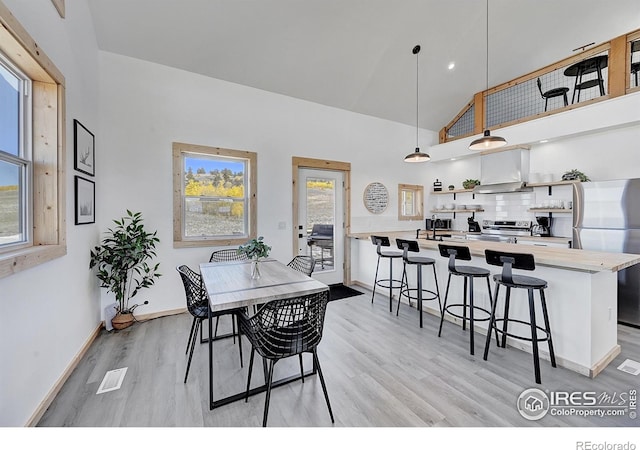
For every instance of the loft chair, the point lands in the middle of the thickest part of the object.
(198, 307)
(552, 93)
(284, 328)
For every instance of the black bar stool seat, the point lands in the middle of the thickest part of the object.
(387, 283)
(417, 293)
(522, 261)
(469, 273)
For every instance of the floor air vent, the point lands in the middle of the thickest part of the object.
(630, 366)
(112, 380)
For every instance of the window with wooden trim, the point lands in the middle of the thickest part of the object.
(32, 152)
(214, 195)
(410, 202)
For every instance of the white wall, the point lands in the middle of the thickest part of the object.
(48, 312)
(145, 107)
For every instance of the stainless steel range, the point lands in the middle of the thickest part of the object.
(502, 230)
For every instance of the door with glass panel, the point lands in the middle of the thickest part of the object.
(321, 219)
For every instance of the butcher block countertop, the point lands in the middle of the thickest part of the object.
(564, 258)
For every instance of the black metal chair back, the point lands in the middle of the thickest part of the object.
(287, 327)
(228, 254)
(509, 261)
(302, 263)
(384, 240)
(197, 303)
(454, 252)
(411, 246)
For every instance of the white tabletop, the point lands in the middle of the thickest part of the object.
(229, 284)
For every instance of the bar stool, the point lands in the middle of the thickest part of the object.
(390, 283)
(522, 261)
(454, 252)
(418, 261)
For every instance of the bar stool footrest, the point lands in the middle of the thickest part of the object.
(516, 336)
(407, 293)
(384, 283)
(475, 319)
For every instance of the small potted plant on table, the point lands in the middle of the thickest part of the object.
(122, 263)
(255, 249)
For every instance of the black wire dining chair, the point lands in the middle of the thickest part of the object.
(227, 254)
(198, 307)
(302, 263)
(284, 328)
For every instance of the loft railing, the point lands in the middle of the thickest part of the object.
(520, 100)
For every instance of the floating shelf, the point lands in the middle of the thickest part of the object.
(551, 210)
(553, 183)
(455, 191)
(456, 210)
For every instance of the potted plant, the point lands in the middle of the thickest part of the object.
(470, 183)
(574, 174)
(122, 261)
(255, 249)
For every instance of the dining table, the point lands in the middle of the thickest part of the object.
(229, 285)
(590, 65)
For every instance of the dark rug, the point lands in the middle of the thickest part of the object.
(339, 291)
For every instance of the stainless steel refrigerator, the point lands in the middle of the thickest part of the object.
(607, 218)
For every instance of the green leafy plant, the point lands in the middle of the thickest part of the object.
(255, 248)
(470, 183)
(575, 174)
(122, 260)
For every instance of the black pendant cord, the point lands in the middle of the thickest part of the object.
(487, 74)
(417, 96)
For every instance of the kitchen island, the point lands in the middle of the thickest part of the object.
(581, 294)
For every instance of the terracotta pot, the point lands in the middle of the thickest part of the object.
(122, 321)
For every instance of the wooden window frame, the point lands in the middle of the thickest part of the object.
(48, 188)
(179, 150)
(418, 192)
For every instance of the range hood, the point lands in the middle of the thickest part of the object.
(504, 171)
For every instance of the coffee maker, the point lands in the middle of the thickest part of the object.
(543, 227)
(474, 227)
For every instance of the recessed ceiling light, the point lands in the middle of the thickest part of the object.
(544, 141)
(453, 159)
(451, 65)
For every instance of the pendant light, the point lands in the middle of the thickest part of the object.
(488, 142)
(417, 155)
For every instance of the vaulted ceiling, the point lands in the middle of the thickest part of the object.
(357, 54)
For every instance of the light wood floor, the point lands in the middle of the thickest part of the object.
(381, 371)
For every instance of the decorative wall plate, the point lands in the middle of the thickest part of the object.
(376, 197)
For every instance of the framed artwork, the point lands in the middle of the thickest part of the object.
(84, 149)
(85, 201)
(376, 197)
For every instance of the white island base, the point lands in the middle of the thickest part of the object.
(582, 303)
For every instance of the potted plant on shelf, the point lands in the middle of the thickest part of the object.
(470, 183)
(575, 174)
(122, 261)
(255, 249)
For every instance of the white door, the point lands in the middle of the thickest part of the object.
(321, 203)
